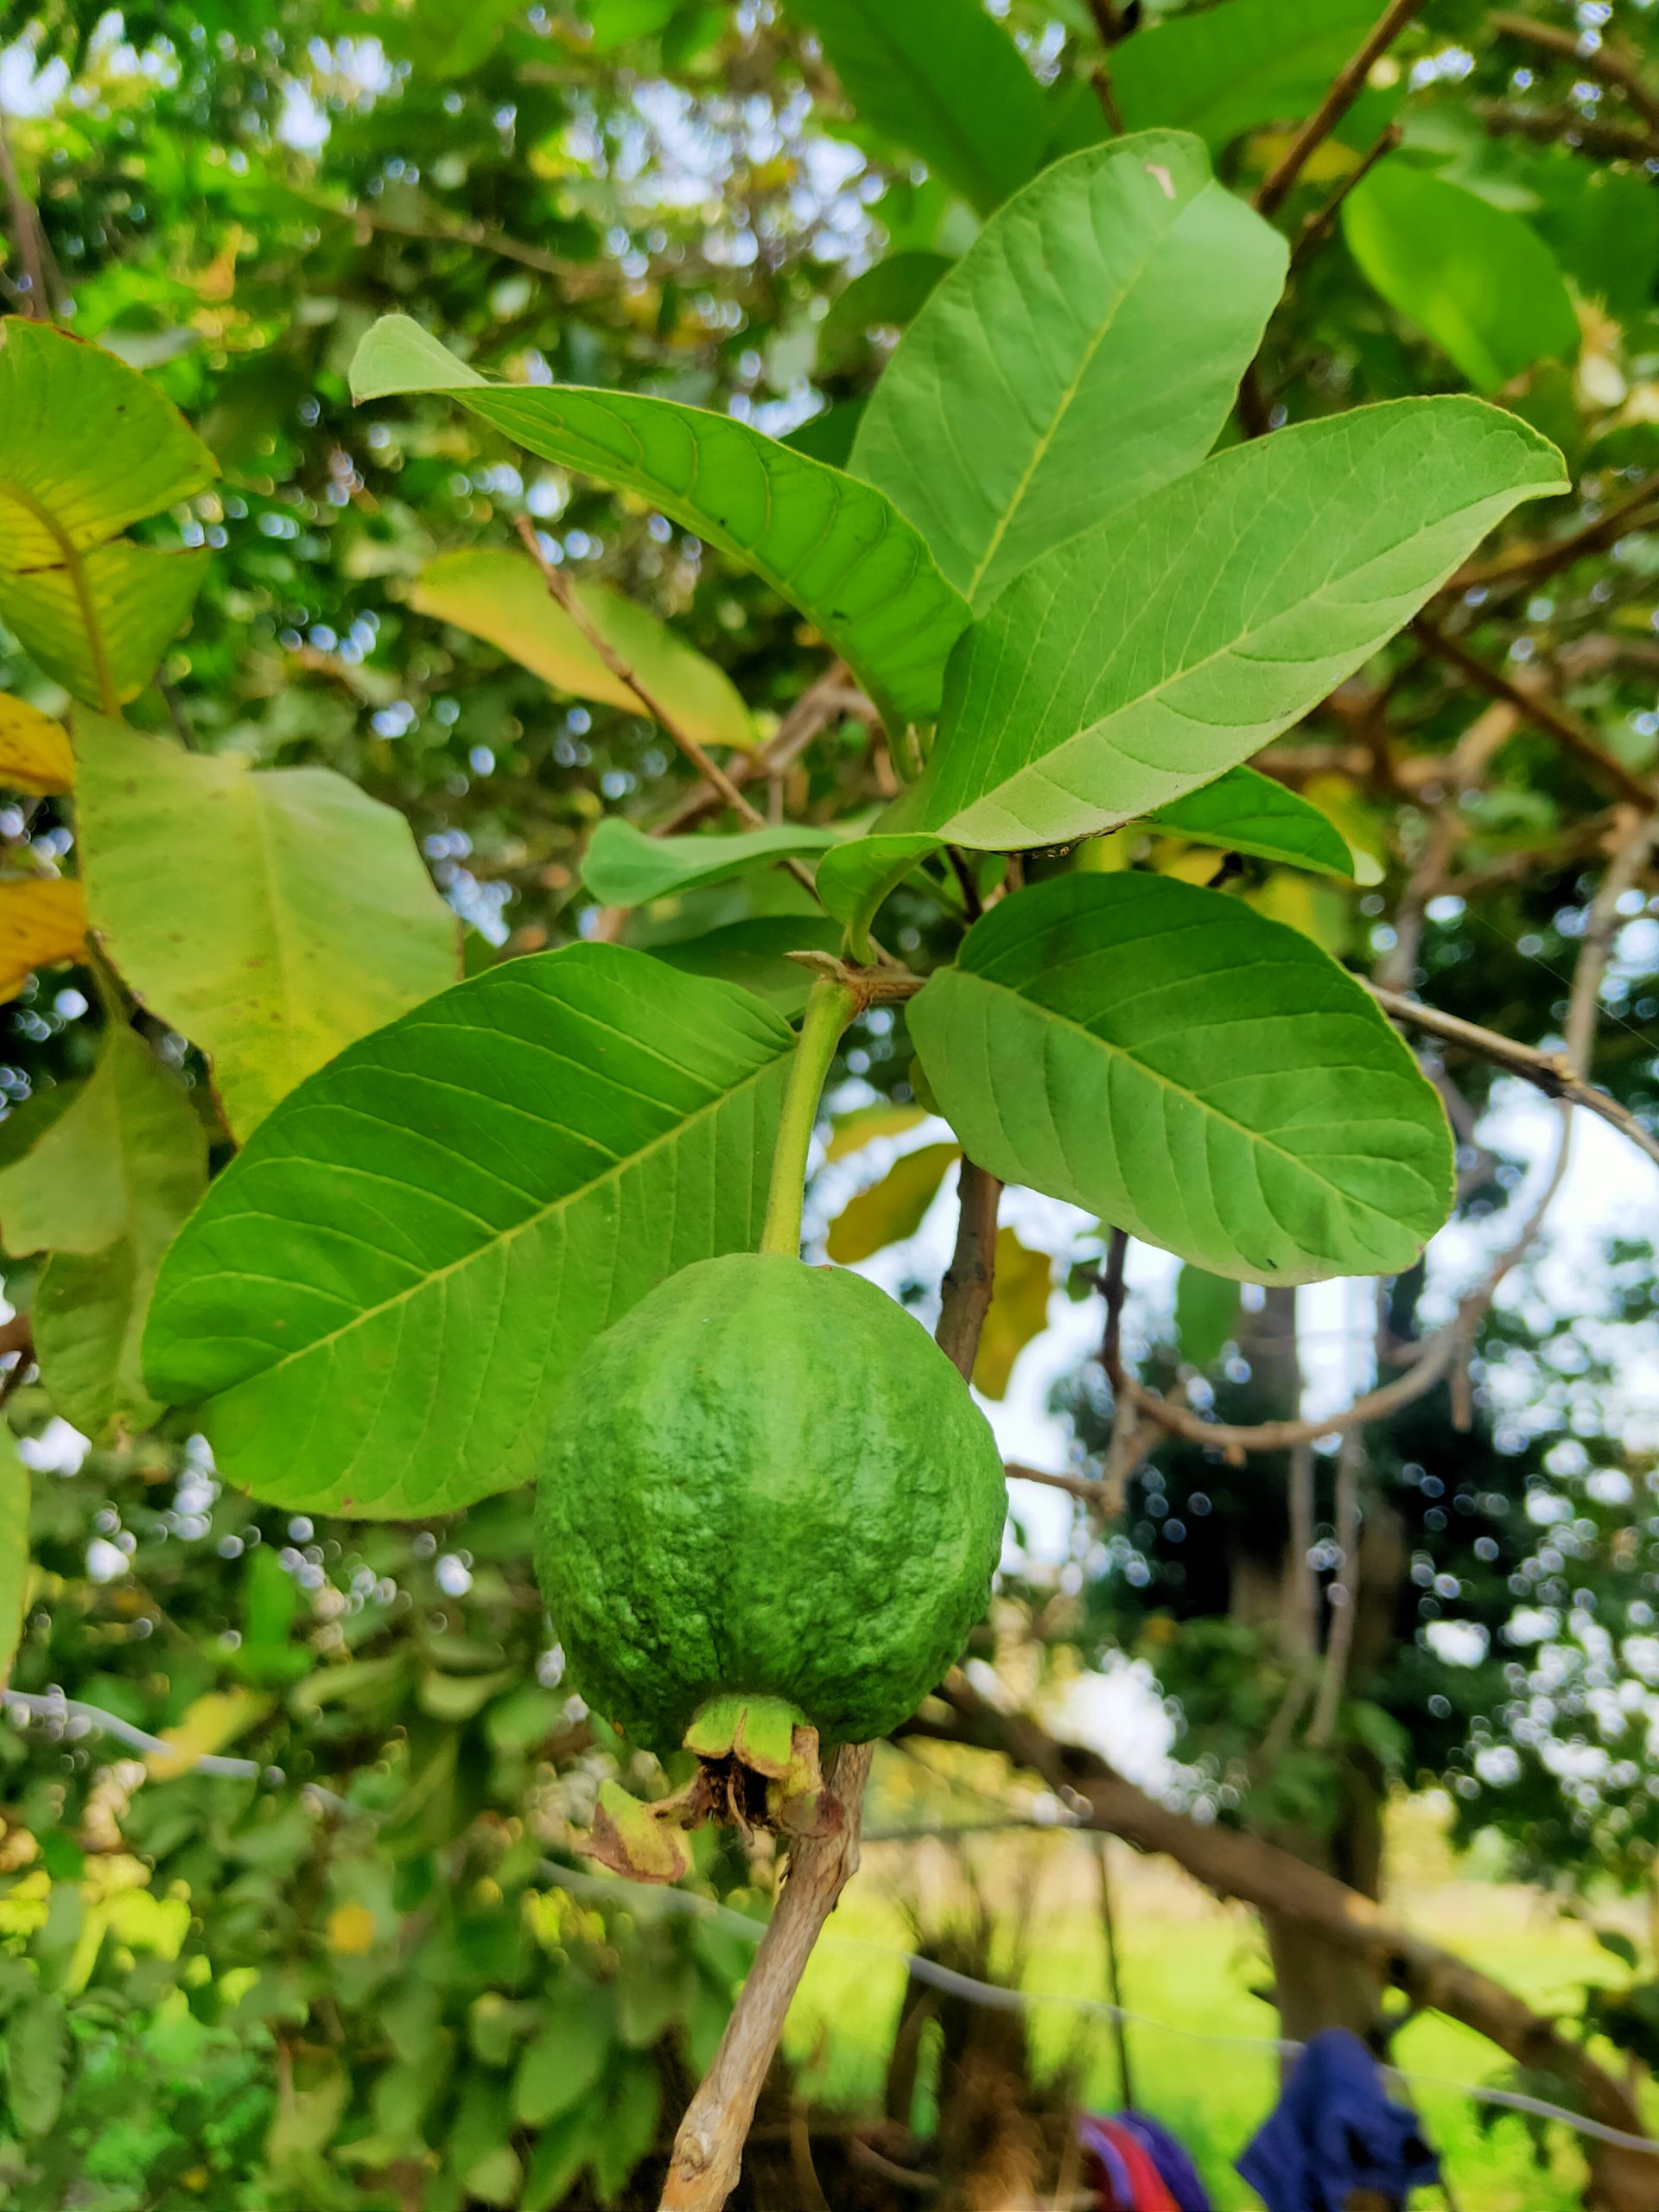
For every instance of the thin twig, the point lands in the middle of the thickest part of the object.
(1345, 88)
(1113, 1289)
(1590, 57)
(49, 1705)
(708, 2147)
(825, 699)
(1551, 1072)
(1316, 227)
(1527, 563)
(1434, 1361)
(971, 1279)
(1345, 1595)
(1566, 126)
(26, 228)
(1439, 1354)
(560, 589)
(1541, 711)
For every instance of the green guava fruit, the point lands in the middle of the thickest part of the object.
(765, 1481)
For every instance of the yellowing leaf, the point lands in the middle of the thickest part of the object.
(498, 595)
(272, 916)
(34, 753)
(41, 922)
(216, 1719)
(87, 447)
(349, 1930)
(865, 1123)
(1018, 1311)
(892, 1209)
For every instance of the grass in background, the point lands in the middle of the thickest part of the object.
(1188, 1963)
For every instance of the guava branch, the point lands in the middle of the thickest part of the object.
(1538, 708)
(560, 589)
(709, 2148)
(1552, 1072)
(1233, 1865)
(1345, 88)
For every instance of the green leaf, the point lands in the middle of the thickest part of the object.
(37, 2058)
(1245, 812)
(561, 2151)
(271, 916)
(376, 1298)
(126, 1156)
(1139, 661)
(86, 447)
(565, 2057)
(893, 1209)
(1204, 1077)
(1018, 1311)
(1085, 350)
(944, 80)
(754, 955)
(624, 867)
(1224, 70)
(498, 595)
(854, 880)
(103, 1188)
(633, 2104)
(14, 1549)
(886, 296)
(833, 547)
(1478, 279)
(1206, 1315)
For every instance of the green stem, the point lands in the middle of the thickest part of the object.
(829, 1007)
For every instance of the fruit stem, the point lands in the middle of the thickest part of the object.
(830, 1006)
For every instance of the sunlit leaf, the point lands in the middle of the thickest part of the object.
(1204, 1077)
(271, 916)
(852, 1132)
(43, 923)
(34, 754)
(470, 1193)
(1085, 350)
(213, 1721)
(832, 546)
(1140, 660)
(1017, 1311)
(893, 1209)
(86, 447)
(498, 595)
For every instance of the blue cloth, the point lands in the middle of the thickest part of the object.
(1175, 2169)
(1334, 2131)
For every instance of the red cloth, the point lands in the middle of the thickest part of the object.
(1147, 2190)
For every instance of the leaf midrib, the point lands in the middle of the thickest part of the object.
(367, 1313)
(1067, 399)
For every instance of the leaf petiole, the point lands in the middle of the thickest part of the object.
(830, 1006)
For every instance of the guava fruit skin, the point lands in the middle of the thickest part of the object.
(767, 1477)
